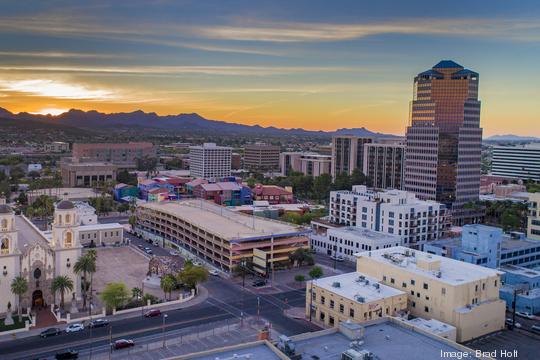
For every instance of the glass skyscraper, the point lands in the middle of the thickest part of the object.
(444, 138)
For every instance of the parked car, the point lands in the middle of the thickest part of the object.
(259, 282)
(122, 344)
(50, 332)
(197, 263)
(337, 258)
(75, 328)
(98, 323)
(174, 253)
(535, 328)
(152, 313)
(140, 246)
(213, 272)
(149, 251)
(510, 322)
(525, 314)
(67, 354)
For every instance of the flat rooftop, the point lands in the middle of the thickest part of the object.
(257, 350)
(432, 326)
(353, 285)
(225, 223)
(386, 340)
(518, 270)
(95, 227)
(452, 272)
(367, 233)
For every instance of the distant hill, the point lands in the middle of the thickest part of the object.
(185, 123)
(27, 128)
(510, 137)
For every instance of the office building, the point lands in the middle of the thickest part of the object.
(348, 240)
(393, 212)
(348, 153)
(533, 224)
(236, 161)
(273, 194)
(518, 162)
(262, 157)
(352, 296)
(384, 164)
(525, 283)
(444, 139)
(56, 147)
(458, 293)
(488, 246)
(218, 236)
(124, 155)
(289, 162)
(209, 161)
(87, 173)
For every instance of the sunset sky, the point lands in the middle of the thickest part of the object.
(310, 64)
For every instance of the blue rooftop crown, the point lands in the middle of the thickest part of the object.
(447, 64)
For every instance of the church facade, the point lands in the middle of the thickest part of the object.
(39, 258)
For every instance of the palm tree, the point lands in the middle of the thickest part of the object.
(61, 283)
(92, 254)
(19, 286)
(168, 284)
(85, 264)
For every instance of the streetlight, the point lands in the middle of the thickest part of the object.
(163, 328)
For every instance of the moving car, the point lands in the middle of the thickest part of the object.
(122, 344)
(152, 313)
(525, 314)
(259, 283)
(213, 272)
(510, 322)
(75, 328)
(50, 332)
(535, 328)
(148, 251)
(67, 354)
(98, 323)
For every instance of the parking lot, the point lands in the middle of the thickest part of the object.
(526, 343)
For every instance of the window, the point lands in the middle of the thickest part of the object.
(331, 304)
(392, 281)
(341, 308)
(351, 312)
(322, 316)
(413, 282)
(426, 309)
(425, 286)
(443, 291)
(322, 300)
(413, 304)
(331, 320)
(384, 279)
(404, 284)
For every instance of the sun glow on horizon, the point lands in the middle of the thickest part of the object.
(50, 111)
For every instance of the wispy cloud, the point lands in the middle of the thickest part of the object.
(54, 89)
(181, 69)
(61, 55)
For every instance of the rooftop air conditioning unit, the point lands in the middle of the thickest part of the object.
(360, 299)
(336, 284)
(376, 285)
(439, 274)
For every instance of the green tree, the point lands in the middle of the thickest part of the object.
(192, 276)
(510, 220)
(61, 284)
(126, 178)
(115, 295)
(83, 266)
(321, 187)
(358, 177)
(122, 208)
(299, 278)
(301, 256)
(19, 286)
(168, 284)
(136, 293)
(316, 272)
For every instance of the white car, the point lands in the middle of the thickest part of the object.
(525, 315)
(75, 328)
(197, 263)
(337, 258)
(510, 322)
(213, 272)
(174, 253)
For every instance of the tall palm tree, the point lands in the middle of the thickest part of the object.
(19, 286)
(168, 284)
(92, 254)
(61, 283)
(83, 266)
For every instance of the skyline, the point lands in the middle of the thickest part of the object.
(305, 64)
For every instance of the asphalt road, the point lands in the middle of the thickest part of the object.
(345, 266)
(227, 301)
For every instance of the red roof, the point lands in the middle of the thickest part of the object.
(271, 190)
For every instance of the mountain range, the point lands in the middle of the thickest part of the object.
(186, 123)
(510, 138)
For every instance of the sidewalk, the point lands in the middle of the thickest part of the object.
(200, 298)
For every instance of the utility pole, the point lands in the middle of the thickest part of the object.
(272, 257)
(163, 329)
(258, 307)
(110, 341)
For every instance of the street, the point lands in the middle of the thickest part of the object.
(227, 301)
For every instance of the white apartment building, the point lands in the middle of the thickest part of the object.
(310, 164)
(210, 161)
(393, 212)
(533, 224)
(461, 294)
(349, 240)
(522, 162)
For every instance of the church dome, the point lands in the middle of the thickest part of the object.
(65, 205)
(5, 209)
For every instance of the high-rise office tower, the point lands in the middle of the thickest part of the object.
(444, 139)
(348, 154)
